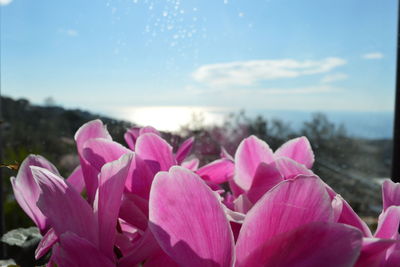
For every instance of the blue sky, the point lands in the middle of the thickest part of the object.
(277, 54)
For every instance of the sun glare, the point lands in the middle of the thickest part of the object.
(172, 118)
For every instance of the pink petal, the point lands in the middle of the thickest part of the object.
(225, 155)
(195, 236)
(64, 206)
(48, 240)
(313, 244)
(242, 204)
(78, 252)
(390, 194)
(140, 178)
(130, 137)
(76, 179)
(99, 151)
(191, 164)
(90, 130)
(250, 153)
(285, 207)
(298, 149)
(265, 178)
(133, 215)
(184, 150)
(289, 168)
(218, 171)
(111, 186)
(157, 151)
(389, 223)
(373, 252)
(26, 190)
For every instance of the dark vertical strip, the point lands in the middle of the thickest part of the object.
(2, 247)
(396, 135)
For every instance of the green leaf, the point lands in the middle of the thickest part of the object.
(18, 237)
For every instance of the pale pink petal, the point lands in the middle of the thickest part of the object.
(250, 153)
(111, 186)
(26, 190)
(188, 221)
(155, 150)
(191, 164)
(242, 204)
(373, 252)
(76, 179)
(236, 190)
(285, 207)
(337, 206)
(289, 168)
(99, 151)
(130, 137)
(48, 240)
(266, 177)
(64, 207)
(390, 194)
(184, 150)
(298, 149)
(149, 129)
(218, 171)
(389, 223)
(90, 130)
(78, 252)
(313, 244)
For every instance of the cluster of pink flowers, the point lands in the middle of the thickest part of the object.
(147, 206)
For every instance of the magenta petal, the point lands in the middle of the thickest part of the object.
(348, 216)
(78, 252)
(390, 194)
(289, 168)
(191, 164)
(90, 130)
(218, 171)
(76, 179)
(184, 150)
(188, 220)
(298, 149)
(287, 206)
(389, 223)
(151, 147)
(99, 151)
(146, 248)
(133, 215)
(111, 186)
(266, 177)
(250, 153)
(373, 252)
(64, 206)
(313, 244)
(160, 259)
(48, 240)
(26, 190)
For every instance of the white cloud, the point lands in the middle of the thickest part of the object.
(374, 55)
(334, 77)
(5, 2)
(247, 73)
